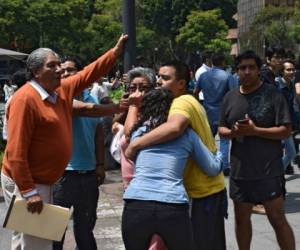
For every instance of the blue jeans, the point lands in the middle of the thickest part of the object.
(142, 219)
(290, 151)
(224, 146)
(80, 191)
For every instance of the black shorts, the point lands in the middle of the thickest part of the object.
(257, 191)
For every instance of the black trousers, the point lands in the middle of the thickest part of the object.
(208, 221)
(142, 219)
(80, 191)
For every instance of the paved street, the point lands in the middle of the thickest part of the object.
(108, 232)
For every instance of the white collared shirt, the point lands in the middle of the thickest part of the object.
(43, 93)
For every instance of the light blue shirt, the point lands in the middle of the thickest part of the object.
(214, 84)
(84, 130)
(158, 171)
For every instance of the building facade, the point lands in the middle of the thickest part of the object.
(247, 10)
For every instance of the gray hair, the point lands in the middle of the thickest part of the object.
(36, 60)
(146, 73)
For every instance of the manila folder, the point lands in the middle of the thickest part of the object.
(50, 224)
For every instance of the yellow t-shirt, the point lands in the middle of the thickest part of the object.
(196, 182)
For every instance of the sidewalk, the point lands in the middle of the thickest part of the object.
(108, 232)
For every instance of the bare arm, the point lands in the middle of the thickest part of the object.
(297, 88)
(131, 119)
(135, 100)
(169, 130)
(95, 110)
(250, 129)
(197, 89)
(274, 133)
(99, 154)
(226, 132)
(196, 92)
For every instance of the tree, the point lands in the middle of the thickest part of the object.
(101, 34)
(37, 23)
(295, 30)
(272, 25)
(86, 28)
(204, 30)
(228, 9)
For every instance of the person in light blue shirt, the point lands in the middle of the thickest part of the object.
(84, 132)
(155, 200)
(214, 84)
(78, 187)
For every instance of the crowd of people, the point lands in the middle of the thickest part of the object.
(173, 173)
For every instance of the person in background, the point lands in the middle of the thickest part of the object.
(273, 66)
(78, 187)
(100, 90)
(9, 89)
(285, 84)
(192, 83)
(206, 66)
(18, 79)
(214, 84)
(268, 72)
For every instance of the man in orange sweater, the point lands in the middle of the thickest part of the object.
(40, 131)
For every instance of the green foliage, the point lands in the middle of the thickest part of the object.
(228, 8)
(295, 32)
(204, 30)
(87, 28)
(101, 34)
(166, 18)
(218, 45)
(272, 23)
(116, 94)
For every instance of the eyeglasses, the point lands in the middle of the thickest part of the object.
(141, 88)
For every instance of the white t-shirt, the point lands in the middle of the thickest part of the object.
(100, 91)
(201, 70)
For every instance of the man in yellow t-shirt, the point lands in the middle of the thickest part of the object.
(208, 198)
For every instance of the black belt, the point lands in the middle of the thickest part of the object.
(79, 171)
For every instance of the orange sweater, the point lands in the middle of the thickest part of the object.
(40, 132)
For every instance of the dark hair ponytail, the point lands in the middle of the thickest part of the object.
(154, 109)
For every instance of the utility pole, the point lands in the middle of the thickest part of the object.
(129, 28)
